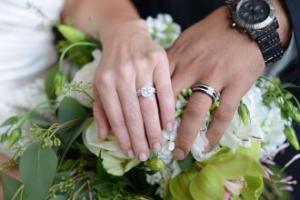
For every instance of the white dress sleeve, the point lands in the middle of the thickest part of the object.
(26, 38)
(26, 51)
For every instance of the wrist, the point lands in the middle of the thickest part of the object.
(285, 30)
(123, 27)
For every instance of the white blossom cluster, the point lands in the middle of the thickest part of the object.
(163, 30)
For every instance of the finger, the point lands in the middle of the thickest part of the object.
(222, 117)
(133, 118)
(149, 108)
(112, 107)
(165, 95)
(192, 121)
(181, 80)
(150, 116)
(99, 114)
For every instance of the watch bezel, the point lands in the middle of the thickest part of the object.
(257, 26)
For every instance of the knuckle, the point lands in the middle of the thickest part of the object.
(157, 56)
(124, 71)
(193, 112)
(118, 124)
(104, 78)
(225, 112)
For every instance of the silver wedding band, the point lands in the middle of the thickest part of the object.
(208, 90)
(146, 91)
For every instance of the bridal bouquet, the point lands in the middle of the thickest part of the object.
(60, 156)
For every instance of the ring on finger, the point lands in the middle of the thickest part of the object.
(208, 90)
(146, 91)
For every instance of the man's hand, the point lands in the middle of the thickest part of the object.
(213, 53)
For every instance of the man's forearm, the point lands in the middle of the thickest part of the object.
(93, 16)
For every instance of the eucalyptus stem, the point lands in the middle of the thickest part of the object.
(20, 190)
(78, 191)
(67, 49)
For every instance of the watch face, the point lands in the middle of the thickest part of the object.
(253, 11)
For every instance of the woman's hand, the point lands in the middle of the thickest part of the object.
(213, 53)
(130, 61)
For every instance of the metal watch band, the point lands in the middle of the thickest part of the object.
(269, 43)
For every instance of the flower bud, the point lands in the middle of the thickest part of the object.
(59, 81)
(244, 114)
(155, 164)
(291, 136)
(71, 34)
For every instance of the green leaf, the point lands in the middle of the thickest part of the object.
(187, 163)
(70, 135)
(49, 83)
(13, 137)
(60, 197)
(10, 186)
(10, 121)
(244, 113)
(179, 186)
(70, 109)
(37, 171)
(39, 120)
(292, 137)
(207, 185)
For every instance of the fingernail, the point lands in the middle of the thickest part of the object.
(157, 146)
(179, 154)
(170, 126)
(143, 157)
(130, 154)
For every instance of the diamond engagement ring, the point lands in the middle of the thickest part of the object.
(208, 90)
(146, 91)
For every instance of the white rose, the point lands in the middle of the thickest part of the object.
(114, 160)
(86, 76)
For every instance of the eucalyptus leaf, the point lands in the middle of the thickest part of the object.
(70, 109)
(10, 186)
(13, 137)
(37, 170)
(39, 119)
(10, 121)
(70, 135)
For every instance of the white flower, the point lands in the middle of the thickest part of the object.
(85, 76)
(266, 123)
(163, 177)
(163, 30)
(114, 160)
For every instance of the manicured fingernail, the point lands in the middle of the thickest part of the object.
(179, 154)
(130, 154)
(157, 146)
(143, 157)
(170, 126)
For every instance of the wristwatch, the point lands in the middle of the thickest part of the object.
(258, 19)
